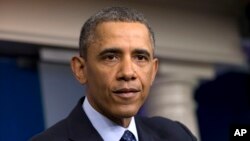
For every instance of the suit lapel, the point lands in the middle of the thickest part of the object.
(144, 132)
(80, 127)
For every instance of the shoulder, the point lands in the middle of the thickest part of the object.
(54, 133)
(166, 128)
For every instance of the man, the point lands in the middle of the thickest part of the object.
(118, 66)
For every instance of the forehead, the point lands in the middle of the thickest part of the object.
(123, 33)
(118, 28)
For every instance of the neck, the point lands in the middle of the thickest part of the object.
(124, 122)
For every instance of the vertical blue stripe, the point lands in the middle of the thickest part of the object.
(20, 101)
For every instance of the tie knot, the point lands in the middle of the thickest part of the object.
(128, 136)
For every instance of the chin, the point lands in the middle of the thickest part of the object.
(128, 112)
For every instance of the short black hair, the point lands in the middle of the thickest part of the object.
(116, 14)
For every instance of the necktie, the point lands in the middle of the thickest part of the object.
(128, 136)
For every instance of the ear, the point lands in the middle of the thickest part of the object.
(155, 69)
(78, 66)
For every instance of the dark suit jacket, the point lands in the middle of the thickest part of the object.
(77, 127)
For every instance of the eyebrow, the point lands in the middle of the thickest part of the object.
(119, 51)
(110, 50)
(141, 51)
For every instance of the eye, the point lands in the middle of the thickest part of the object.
(141, 57)
(110, 57)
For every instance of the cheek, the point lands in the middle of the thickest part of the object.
(99, 78)
(146, 76)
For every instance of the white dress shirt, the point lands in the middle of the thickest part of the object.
(108, 130)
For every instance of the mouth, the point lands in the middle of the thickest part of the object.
(126, 92)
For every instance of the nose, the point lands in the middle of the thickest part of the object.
(126, 70)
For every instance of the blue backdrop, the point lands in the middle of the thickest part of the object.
(20, 100)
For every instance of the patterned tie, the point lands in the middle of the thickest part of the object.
(128, 136)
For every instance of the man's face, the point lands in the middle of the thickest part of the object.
(119, 68)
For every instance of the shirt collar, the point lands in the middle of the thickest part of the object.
(108, 130)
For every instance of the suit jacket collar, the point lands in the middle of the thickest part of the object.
(80, 127)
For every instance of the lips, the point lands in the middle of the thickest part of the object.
(126, 92)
